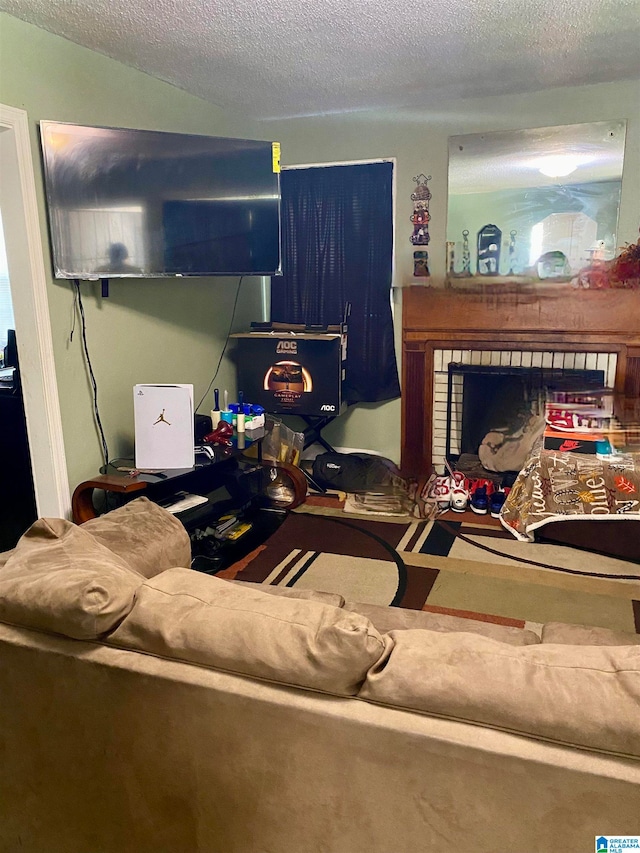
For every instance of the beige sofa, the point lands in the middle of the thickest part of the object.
(147, 707)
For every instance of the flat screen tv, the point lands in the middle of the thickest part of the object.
(127, 203)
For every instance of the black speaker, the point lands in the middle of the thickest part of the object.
(11, 350)
(202, 427)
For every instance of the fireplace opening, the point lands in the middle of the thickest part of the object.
(495, 414)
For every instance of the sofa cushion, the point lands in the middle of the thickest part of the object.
(59, 578)
(388, 619)
(585, 696)
(332, 598)
(144, 534)
(201, 619)
(582, 635)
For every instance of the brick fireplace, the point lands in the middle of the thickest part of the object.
(555, 328)
(504, 382)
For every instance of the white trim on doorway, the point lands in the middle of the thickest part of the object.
(28, 282)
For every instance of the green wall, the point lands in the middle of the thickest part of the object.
(164, 330)
(418, 140)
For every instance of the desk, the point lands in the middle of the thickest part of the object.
(203, 478)
(233, 484)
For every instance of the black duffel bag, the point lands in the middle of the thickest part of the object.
(357, 472)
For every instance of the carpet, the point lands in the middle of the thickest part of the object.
(460, 564)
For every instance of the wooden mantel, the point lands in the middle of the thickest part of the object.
(502, 318)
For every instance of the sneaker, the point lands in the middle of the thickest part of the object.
(496, 502)
(459, 486)
(480, 492)
(440, 491)
(480, 500)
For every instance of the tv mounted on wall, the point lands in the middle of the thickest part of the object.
(127, 203)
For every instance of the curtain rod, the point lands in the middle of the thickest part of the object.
(345, 163)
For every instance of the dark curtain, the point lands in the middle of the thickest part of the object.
(337, 242)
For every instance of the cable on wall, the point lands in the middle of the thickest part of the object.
(94, 384)
(224, 348)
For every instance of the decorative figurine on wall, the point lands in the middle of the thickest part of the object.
(553, 264)
(421, 265)
(451, 257)
(420, 216)
(512, 252)
(466, 253)
(489, 239)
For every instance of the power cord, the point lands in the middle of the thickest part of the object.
(224, 348)
(94, 385)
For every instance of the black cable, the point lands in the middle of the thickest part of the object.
(451, 530)
(94, 385)
(224, 348)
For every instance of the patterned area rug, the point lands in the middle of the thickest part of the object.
(461, 564)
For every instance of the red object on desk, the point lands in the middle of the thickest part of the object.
(221, 434)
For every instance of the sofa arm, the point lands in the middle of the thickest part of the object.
(82, 501)
(144, 534)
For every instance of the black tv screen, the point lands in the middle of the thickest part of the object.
(144, 203)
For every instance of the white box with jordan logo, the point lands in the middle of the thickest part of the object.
(164, 426)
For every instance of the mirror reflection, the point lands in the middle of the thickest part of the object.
(533, 205)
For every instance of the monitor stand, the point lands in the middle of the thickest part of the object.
(313, 430)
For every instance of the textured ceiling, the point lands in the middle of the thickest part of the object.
(281, 58)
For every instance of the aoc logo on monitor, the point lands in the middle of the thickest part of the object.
(287, 347)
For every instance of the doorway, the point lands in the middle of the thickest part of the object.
(17, 499)
(28, 285)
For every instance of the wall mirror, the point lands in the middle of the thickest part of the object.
(533, 205)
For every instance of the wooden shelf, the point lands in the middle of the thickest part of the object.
(558, 311)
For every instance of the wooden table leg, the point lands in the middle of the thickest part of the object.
(82, 501)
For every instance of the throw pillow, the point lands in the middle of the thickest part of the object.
(144, 534)
(332, 598)
(585, 696)
(582, 635)
(59, 578)
(201, 619)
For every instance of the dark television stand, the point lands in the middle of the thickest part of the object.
(234, 485)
